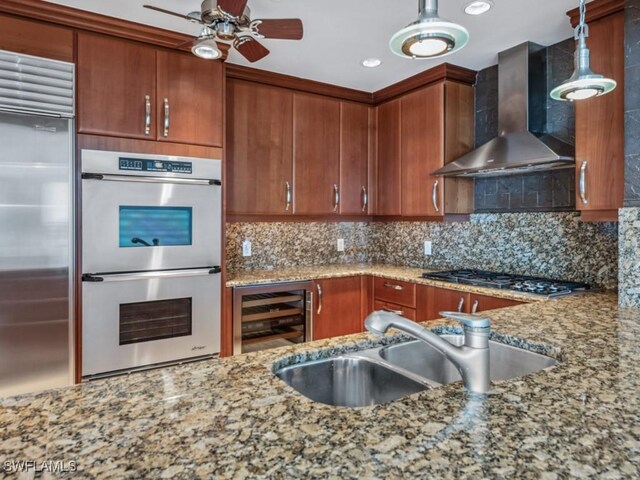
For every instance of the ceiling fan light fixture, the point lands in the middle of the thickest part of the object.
(207, 48)
(583, 84)
(430, 36)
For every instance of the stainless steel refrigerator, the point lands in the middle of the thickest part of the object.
(36, 223)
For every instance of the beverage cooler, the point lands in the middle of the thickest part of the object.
(271, 316)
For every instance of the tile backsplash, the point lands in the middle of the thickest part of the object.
(556, 245)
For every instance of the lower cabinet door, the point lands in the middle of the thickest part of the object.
(337, 307)
(433, 300)
(405, 312)
(480, 303)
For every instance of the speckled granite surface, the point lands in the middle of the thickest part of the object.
(553, 245)
(233, 418)
(629, 257)
(392, 272)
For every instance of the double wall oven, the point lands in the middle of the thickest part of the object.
(151, 256)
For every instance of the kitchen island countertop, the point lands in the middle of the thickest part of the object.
(232, 418)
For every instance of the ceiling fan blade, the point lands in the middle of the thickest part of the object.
(235, 8)
(250, 49)
(281, 28)
(169, 12)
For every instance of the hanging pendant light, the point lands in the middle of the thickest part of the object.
(583, 83)
(430, 36)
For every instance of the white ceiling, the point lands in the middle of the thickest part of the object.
(338, 34)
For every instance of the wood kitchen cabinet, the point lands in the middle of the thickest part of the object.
(354, 158)
(337, 303)
(388, 193)
(433, 300)
(480, 303)
(316, 137)
(116, 87)
(189, 100)
(437, 124)
(600, 127)
(259, 149)
(131, 90)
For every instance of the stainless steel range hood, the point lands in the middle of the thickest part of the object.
(522, 146)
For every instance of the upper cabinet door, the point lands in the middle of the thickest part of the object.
(189, 103)
(388, 152)
(316, 155)
(600, 124)
(422, 147)
(259, 149)
(354, 158)
(116, 87)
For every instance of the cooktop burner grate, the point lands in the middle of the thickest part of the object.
(520, 283)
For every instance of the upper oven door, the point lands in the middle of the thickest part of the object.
(149, 212)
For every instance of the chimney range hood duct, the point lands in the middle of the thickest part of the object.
(522, 146)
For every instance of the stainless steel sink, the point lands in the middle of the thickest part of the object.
(349, 381)
(384, 374)
(505, 362)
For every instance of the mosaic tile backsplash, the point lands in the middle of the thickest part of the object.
(556, 245)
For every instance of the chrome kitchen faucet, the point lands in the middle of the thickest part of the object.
(471, 359)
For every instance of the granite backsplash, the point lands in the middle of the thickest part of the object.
(556, 245)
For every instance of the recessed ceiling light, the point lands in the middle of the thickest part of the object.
(371, 62)
(478, 7)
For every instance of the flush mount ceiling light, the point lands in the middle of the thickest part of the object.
(583, 83)
(430, 36)
(478, 7)
(371, 62)
(206, 46)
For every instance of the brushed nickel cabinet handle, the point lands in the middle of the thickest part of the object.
(365, 199)
(475, 306)
(434, 196)
(147, 115)
(397, 312)
(319, 289)
(336, 197)
(461, 304)
(583, 182)
(167, 118)
(395, 287)
(287, 196)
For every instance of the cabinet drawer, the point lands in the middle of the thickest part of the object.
(394, 291)
(406, 312)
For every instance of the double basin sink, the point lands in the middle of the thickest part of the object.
(384, 374)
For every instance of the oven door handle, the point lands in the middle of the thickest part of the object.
(123, 277)
(141, 179)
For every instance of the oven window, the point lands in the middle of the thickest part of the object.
(142, 226)
(146, 321)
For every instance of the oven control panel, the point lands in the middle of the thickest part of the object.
(158, 166)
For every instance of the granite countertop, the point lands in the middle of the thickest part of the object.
(232, 418)
(392, 272)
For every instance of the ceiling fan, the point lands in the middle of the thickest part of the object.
(230, 21)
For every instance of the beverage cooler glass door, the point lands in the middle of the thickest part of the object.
(139, 217)
(142, 319)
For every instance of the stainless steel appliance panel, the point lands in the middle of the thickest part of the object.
(192, 199)
(36, 271)
(108, 297)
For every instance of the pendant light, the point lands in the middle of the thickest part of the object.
(430, 36)
(583, 83)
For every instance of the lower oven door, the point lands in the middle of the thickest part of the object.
(140, 319)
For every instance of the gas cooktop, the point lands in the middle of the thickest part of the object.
(519, 283)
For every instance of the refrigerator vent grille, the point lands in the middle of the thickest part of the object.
(36, 85)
